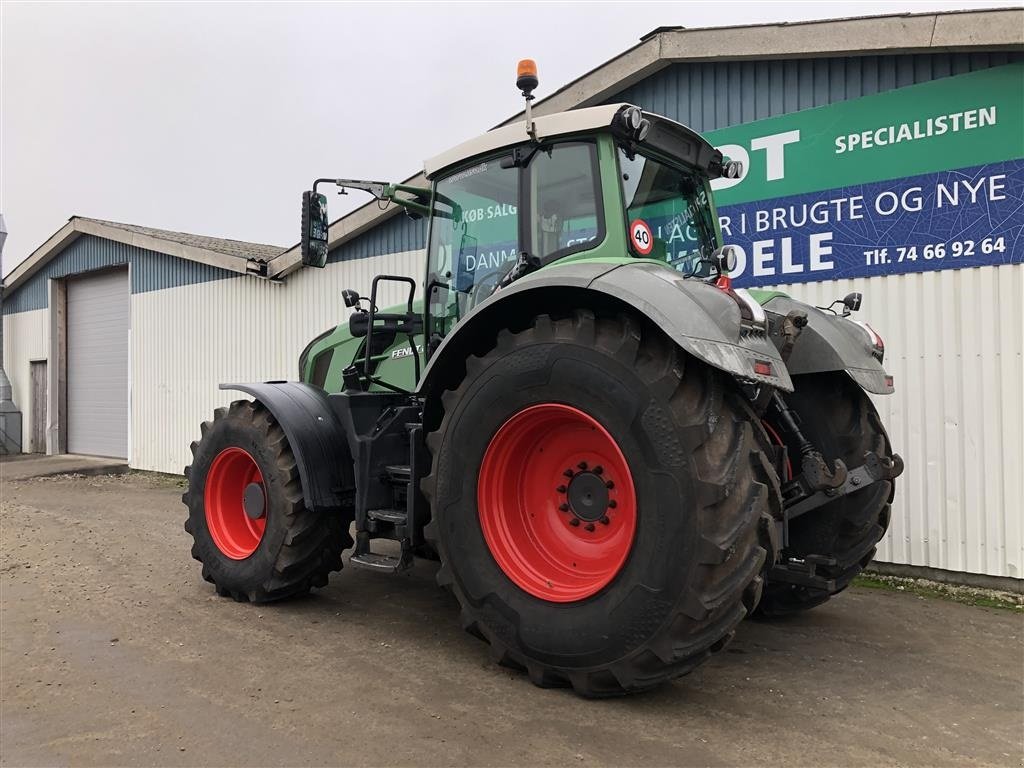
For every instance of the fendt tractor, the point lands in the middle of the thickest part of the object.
(614, 454)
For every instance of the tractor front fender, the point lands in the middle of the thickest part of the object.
(702, 319)
(315, 436)
(830, 342)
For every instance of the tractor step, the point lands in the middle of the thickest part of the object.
(371, 561)
(398, 474)
(393, 516)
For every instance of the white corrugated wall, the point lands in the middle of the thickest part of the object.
(26, 338)
(953, 340)
(187, 340)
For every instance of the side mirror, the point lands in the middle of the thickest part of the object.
(350, 297)
(725, 258)
(852, 301)
(314, 230)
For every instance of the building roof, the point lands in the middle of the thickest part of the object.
(233, 255)
(908, 33)
(237, 248)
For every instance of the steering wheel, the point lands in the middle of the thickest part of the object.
(481, 291)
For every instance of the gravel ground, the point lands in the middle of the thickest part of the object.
(113, 651)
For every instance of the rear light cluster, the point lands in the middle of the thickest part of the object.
(876, 341)
(750, 310)
(751, 313)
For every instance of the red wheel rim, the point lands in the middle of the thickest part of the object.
(546, 467)
(235, 533)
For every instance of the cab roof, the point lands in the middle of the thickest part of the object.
(689, 145)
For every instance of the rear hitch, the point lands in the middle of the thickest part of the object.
(800, 497)
(802, 572)
(792, 325)
(815, 473)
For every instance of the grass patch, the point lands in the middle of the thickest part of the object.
(983, 598)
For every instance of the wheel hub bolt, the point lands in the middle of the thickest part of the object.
(582, 465)
(605, 520)
(589, 526)
(563, 507)
(612, 504)
(574, 522)
(561, 489)
(568, 473)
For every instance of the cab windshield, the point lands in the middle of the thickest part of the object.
(673, 206)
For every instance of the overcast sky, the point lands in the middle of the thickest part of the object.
(212, 118)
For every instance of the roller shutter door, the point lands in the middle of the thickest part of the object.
(97, 387)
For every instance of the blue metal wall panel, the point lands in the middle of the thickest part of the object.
(711, 95)
(150, 271)
(396, 235)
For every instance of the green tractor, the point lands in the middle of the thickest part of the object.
(614, 454)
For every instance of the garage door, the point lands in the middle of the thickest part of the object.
(98, 364)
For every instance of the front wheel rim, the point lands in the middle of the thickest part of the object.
(556, 501)
(234, 482)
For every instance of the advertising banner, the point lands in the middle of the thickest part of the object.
(926, 177)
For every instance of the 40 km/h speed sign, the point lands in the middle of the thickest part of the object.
(640, 234)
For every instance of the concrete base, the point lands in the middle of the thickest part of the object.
(979, 580)
(29, 465)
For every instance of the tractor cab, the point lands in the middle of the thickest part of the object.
(587, 186)
(567, 188)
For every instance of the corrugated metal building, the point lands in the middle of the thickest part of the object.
(204, 311)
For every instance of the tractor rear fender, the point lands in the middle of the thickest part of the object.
(315, 436)
(830, 342)
(702, 319)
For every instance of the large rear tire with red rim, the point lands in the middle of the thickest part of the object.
(600, 502)
(250, 527)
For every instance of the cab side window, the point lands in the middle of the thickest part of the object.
(565, 214)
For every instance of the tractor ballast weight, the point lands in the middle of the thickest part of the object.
(615, 455)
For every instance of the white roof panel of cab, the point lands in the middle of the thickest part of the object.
(558, 124)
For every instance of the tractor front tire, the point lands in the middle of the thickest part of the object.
(841, 421)
(600, 503)
(250, 527)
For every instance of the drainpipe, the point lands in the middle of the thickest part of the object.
(10, 416)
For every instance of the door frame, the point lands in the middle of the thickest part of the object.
(33, 447)
(57, 366)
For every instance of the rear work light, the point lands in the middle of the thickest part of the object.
(762, 368)
(876, 340)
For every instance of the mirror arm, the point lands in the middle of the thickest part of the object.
(419, 204)
(416, 206)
